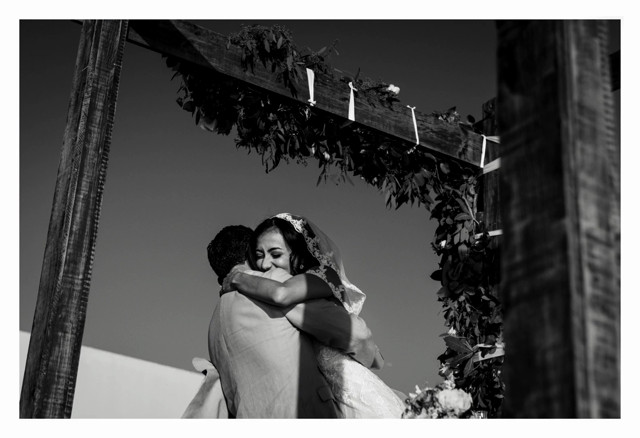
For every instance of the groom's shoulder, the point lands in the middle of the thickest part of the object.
(235, 298)
(234, 302)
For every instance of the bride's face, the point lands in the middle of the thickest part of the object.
(272, 251)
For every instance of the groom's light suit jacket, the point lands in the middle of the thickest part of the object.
(268, 367)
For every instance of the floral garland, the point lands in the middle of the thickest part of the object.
(279, 129)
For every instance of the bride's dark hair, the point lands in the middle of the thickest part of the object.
(300, 260)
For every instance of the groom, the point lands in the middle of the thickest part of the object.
(265, 355)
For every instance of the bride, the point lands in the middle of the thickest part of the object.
(296, 245)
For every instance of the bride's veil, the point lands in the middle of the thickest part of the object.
(328, 254)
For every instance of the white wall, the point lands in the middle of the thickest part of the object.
(111, 385)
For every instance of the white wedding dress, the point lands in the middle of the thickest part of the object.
(360, 392)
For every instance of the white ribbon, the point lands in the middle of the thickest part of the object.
(491, 234)
(415, 124)
(352, 110)
(499, 352)
(494, 139)
(310, 79)
(484, 149)
(490, 167)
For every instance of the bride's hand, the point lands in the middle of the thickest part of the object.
(227, 283)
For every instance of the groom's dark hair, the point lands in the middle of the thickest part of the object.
(228, 248)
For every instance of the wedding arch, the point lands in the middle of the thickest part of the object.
(518, 233)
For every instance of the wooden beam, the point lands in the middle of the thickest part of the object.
(204, 47)
(561, 212)
(58, 324)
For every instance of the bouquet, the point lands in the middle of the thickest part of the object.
(441, 401)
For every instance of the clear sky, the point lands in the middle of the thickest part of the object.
(171, 186)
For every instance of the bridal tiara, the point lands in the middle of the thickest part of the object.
(302, 226)
(298, 224)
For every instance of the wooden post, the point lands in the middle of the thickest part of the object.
(561, 204)
(490, 180)
(58, 324)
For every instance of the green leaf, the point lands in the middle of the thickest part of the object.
(387, 196)
(463, 205)
(468, 368)
(443, 292)
(462, 217)
(459, 359)
(458, 344)
(189, 106)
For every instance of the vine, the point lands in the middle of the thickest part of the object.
(279, 129)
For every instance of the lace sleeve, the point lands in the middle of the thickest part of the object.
(330, 277)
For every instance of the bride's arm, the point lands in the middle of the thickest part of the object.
(330, 324)
(299, 288)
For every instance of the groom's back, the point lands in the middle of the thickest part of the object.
(267, 367)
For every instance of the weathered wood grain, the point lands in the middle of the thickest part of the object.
(56, 334)
(204, 47)
(560, 263)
